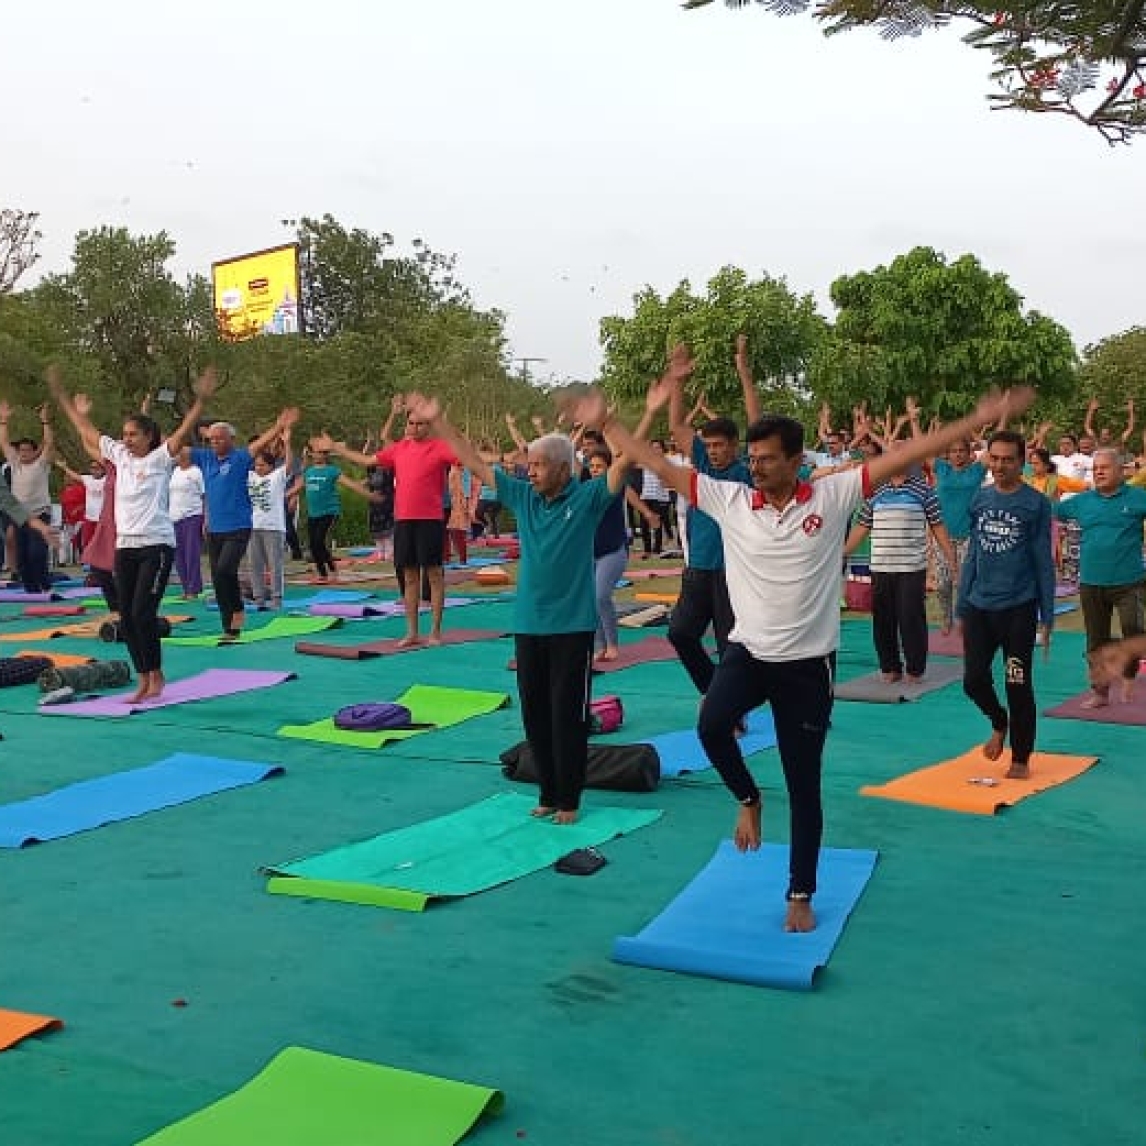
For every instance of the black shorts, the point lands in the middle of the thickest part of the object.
(419, 544)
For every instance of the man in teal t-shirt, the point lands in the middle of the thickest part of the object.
(555, 611)
(1110, 567)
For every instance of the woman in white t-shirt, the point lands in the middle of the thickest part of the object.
(185, 503)
(145, 536)
(267, 487)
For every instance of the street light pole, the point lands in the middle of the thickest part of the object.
(525, 362)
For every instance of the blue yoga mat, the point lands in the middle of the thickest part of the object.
(331, 597)
(728, 923)
(680, 752)
(1064, 607)
(122, 795)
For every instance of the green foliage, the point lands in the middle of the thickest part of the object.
(783, 331)
(1085, 61)
(1113, 372)
(942, 332)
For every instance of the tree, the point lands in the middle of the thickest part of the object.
(1113, 372)
(783, 330)
(18, 241)
(942, 332)
(1086, 61)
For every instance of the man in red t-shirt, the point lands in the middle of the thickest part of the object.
(421, 467)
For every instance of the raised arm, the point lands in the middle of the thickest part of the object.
(287, 417)
(747, 386)
(5, 441)
(69, 473)
(324, 442)
(680, 424)
(77, 410)
(430, 411)
(1129, 423)
(397, 406)
(1088, 421)
(991, 408)
(204, 388)
(48, 438)
(511, 425)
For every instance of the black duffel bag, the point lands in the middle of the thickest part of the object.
(615, 767)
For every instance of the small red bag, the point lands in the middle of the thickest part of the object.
(606, 714)
(857, 594)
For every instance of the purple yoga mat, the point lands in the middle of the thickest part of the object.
(202, 686)
(348, 609)
(81, 593)
(1116, 712)
(27, 598)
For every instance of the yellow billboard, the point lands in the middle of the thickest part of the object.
(257, 293)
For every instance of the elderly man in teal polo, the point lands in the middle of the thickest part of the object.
(1110, 566)
(555, 609)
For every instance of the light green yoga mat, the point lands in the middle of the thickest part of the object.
(428, 704)
(307, 1098)
(275, 629)
(471, 850)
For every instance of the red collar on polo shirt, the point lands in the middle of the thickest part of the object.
(803, 494)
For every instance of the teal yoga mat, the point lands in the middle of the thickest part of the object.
(728, 923)
(307, 1098)
(122, 795)
(459, 854)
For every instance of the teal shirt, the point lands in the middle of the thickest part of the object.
(322, 491)
(555, 589)
(1111, 534)
(955, 490)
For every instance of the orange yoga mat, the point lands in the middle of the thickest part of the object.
(660, 598)
(15, 1025)
(972, 783)
(59, 660)
(78, 629)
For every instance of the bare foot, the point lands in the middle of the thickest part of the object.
(434, 639)
(945, 630)
(155, 685)
(141, 692)
(1126, 691)
(800, 916)
(891, 677)
(608, 653)
(565, 816)
(542, 812)
(993, 749)
(1018, 771)
(913, 678)
(746, 834)
(1096, 700)
(408, 641)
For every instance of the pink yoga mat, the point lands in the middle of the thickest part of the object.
(390, 646)
(642, 652)
(202, 686)
(1116, 712)
(654, 571)
(945, 646)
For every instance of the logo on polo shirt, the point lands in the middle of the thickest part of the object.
(812, 524)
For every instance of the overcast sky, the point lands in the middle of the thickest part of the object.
(568, 153)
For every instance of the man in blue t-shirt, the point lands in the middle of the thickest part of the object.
(1110, 518)
(1006, 589)
(225, 467)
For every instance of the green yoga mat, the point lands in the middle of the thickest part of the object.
(307, 1098)
(471, 850)
(428, 704)
(275, 629)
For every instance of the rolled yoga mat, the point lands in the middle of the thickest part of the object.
(203, 686)
(304, 1097)
(431, 705)
(972, 783)
(123, 795)
(874, 690)
(728, 923)
(16, 1026)
(390, 646)
(471, 850)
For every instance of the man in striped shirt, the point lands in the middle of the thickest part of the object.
(898, 517)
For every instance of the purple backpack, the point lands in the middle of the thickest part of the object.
(372, 716)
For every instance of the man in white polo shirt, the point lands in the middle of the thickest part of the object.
(783, 545)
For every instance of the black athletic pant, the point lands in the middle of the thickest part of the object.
(141, 578)
(899, 616)
(985, 631)
(703, 601)
(32, 553)
(224, 556)
(553, 675)
(104, 581)
(318, 533)
(800, 693)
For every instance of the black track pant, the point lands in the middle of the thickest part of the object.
(141, 578)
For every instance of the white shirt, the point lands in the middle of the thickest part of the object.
(268, 499)
(93, 496)
(783, 568)
(1077, 465)
(141, 485)
(187, 489)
